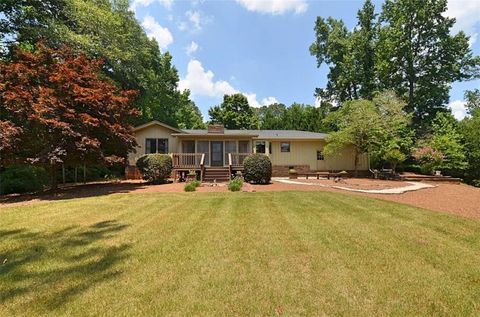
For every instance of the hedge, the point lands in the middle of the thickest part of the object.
(257, 169)
(155, 168)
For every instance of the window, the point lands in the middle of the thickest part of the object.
(243, 147)
(320, 156)
(230, 147)
(285, 146)
(150, 146)
(163, 146)
(188, 146)
(156, 146)
(260, 146)
(204, 147)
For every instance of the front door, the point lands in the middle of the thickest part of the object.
(216, 151)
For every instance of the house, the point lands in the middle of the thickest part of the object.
(216, 152)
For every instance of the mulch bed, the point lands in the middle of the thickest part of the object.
(456, 199)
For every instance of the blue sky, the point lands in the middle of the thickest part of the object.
(260, 47)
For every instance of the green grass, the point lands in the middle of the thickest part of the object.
(263, 254)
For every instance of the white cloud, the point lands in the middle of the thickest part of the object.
(269, 100)
(192, 48)
(274, 6)
(158, 32)
(145, 3)
(201, 82)
(467, 15)
(458, 109)
(195, 21)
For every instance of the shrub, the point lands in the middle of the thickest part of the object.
(257, 169)
(196, 183)
(155, 168)
(23, 179)
(428, 158)
(235, 184)
(190, 187)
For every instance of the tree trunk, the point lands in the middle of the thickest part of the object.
(84, 173)
(53, 177)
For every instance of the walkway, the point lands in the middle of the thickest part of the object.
(398, 190)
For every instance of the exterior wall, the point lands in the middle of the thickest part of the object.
(304, 153)
(154, 131)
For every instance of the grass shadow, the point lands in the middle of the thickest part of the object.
(46, 270)
(75, 191)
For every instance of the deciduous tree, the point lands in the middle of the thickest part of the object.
(60, 110)
(234, 113)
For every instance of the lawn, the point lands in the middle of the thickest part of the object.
(291, 253)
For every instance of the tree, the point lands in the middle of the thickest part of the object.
(419, 58)
(378, 128)
(108, 30)
(470, 128)
(271, 117)
(61, 111)
(446, 139)
(351, 56)
(333, 46)
(234, 113)
(188, 114)
(473, 100)
(364, 38)
(396, 140)
(359, 125)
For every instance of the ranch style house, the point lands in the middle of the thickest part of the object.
(217, 153)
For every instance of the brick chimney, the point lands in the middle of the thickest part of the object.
(216, 129)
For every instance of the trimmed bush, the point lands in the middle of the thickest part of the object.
(23, 179)
(235, 184)
(196, 183)
(257, 169)
(155, 168)
(190, 187)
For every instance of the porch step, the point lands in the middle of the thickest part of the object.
(220, 174)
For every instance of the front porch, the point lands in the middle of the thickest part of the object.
(209, 168)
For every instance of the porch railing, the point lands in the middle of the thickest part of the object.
(238, 158)
(187, 160)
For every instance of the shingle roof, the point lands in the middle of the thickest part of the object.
(265, 134)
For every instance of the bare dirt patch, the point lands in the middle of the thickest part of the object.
(356, 183)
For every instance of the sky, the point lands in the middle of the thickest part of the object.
(260, 47)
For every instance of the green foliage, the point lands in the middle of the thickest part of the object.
(155, 168)
(378, 127)
(257, 169)
(359, 125)
(190, 187)
(196, 183)
(296, 117)
(409, 48)
(106, 30)
(447, 139)
(472, 98)
(412, 28)
(428, 158)
(470, 129)
(234, 113)
(235, 184)
(23, 179)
